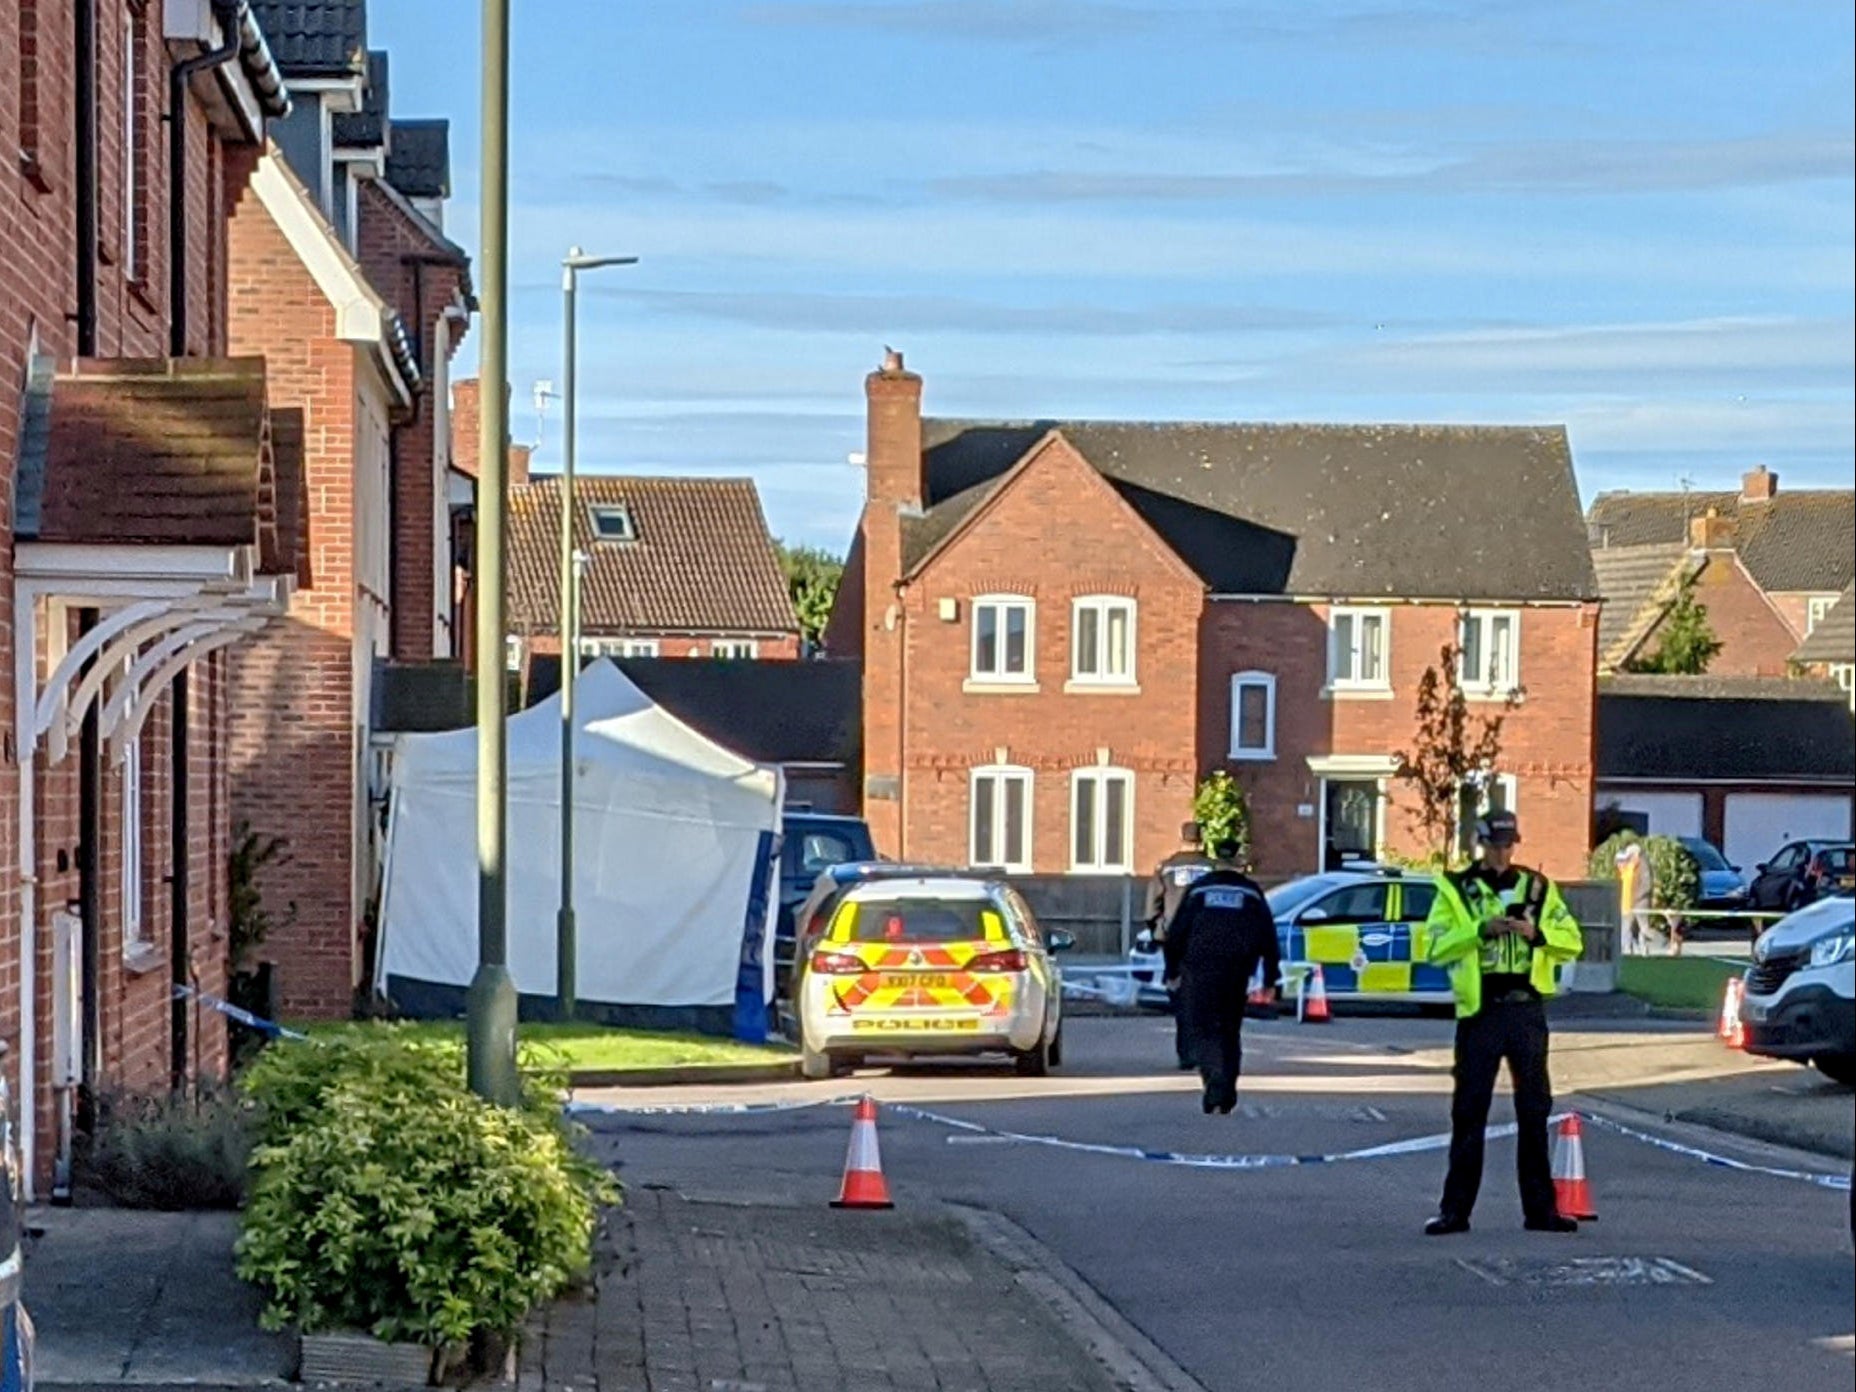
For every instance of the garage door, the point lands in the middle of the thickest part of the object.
(1668, 814)
(1759, 823)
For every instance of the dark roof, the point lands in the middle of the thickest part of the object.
(703, 561)
(770, 712)
(366, 128)
(1401, 511)
(1724, 729)
(1636, 583)
(419, 158)
(1795, 542)
(160, 451)
(1834, 638)
(325, 39)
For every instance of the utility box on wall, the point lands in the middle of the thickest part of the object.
(67, 1000)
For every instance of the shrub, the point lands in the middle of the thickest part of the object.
(386, 1197)
(169, 1150)
(1675, 871)
(1223, 814)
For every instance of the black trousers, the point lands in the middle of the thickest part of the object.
(1515, 1031)
(1182, 1035)
(1215, 1021)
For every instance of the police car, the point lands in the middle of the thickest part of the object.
(1365, 927)
(937, 964)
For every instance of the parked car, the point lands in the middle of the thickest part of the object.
(1723, 886)
(812, 915)
(1800, 1000)
(1801, 872)
(931, 964)
(16, 1337)
(1364, 926)
(812, 843)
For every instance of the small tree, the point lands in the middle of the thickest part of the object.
(1685, 641)
(1223, 814)
(1452, 752)
(812, 576)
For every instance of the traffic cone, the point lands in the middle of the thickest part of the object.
(864, 1185)
(1259, 1004)
(1732, 1028)
(1315, 998)
(1571, 1192)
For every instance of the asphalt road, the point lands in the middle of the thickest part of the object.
(1695, 1277)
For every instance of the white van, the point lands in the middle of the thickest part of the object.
(1801, 990)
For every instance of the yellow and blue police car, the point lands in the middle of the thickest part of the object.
(939, 964)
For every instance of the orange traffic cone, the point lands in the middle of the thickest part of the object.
(1315, 998)
(1571, 1192)
(864, 1185)
(1732, 1027)
(1259, 1003)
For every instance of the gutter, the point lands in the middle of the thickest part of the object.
(260, 64)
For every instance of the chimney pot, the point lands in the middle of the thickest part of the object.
(1759, 485)
(892, 360)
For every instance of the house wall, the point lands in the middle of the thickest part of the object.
(37, 275)
(1547, 741)
(296, 749)
(948, 729)
(778, 647)
(1756, 637)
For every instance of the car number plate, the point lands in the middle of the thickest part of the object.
(921, 981)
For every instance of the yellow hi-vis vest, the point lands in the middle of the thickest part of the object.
(1454, 930)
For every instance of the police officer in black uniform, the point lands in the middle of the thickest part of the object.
(1175, 875)
(1214, 944)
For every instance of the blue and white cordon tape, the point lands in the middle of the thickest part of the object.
(236, 1012)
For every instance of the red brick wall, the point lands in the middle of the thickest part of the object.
(778, 649)
(293, 737)
(1757, 639)
(1547, 741)
(1014, 548)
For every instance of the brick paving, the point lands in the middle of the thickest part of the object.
(694, 1296)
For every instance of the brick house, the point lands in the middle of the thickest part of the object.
(1063, 626)
(1766, 565)
(152, 500)
(357, 300)
(1831, 646)
(675, 567)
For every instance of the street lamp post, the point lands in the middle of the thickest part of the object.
(566, 940)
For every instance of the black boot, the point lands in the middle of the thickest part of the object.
(1445, 1225)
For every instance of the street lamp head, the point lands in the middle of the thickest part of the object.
(577, 260)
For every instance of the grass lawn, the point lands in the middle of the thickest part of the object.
(1677, 983)
(590, 1046)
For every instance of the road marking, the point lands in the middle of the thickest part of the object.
(1844, 1344)
(1584, 1271)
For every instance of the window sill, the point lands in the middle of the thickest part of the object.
(1252, 756)
(1102, 870)
(1356, 693)
(1491, 694)
(33, 171)
(140, 958)
(1074, 687)
(976, 686)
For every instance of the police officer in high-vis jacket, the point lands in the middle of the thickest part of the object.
(1503, 931)
(1174, 876)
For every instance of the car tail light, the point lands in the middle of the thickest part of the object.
(836, 964)
(1012, 961)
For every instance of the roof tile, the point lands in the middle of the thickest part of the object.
(1753, 730)
(419, 158)
(1803, 541)
(327, 38)
(1833, 641)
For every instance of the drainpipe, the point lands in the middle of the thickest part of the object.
(90, 828)
(84, 42)
(179, 76)
(179, 887)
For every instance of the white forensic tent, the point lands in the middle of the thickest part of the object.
(675, 842)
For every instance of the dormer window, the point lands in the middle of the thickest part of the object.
(613, 522)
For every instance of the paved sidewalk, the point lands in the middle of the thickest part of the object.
(725, 1296)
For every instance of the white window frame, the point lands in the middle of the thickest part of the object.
(1102, 605)
(1500, 684)
(1001, 774)
(597, 512)
(131, 133)
(1511, 791)
(1815, 608)
(512, 651)
(1348, 680)
(618, 647)
(134, 921)
(735, 649)
(1105, 859)
(1266, 750)
(1001, 605)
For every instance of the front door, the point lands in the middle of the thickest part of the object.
(1350, 824)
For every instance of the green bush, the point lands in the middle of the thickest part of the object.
(169, 1150)
(1676, 872)
(386, 1197)
(1223, 814)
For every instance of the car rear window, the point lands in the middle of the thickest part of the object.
(1838, 861)
(916, 921)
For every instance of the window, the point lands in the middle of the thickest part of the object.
(512, 651)
(1102, 821)
(1002, 639)
(1491, 658)
(613, 522)
(1361, 903)
(1814, 610)
(1102, 641)
(734, 648)
(999, 819)
(1493, 792)
(133, 928)
(134, 157)
(1357, 648)
(1253, 716)
(618, 647)
(1416, 901)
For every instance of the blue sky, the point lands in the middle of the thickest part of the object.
(1636, 220)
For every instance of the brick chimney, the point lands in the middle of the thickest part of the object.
(1711, 533)
(1758, 485)
(893, 481)
(518, 464)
